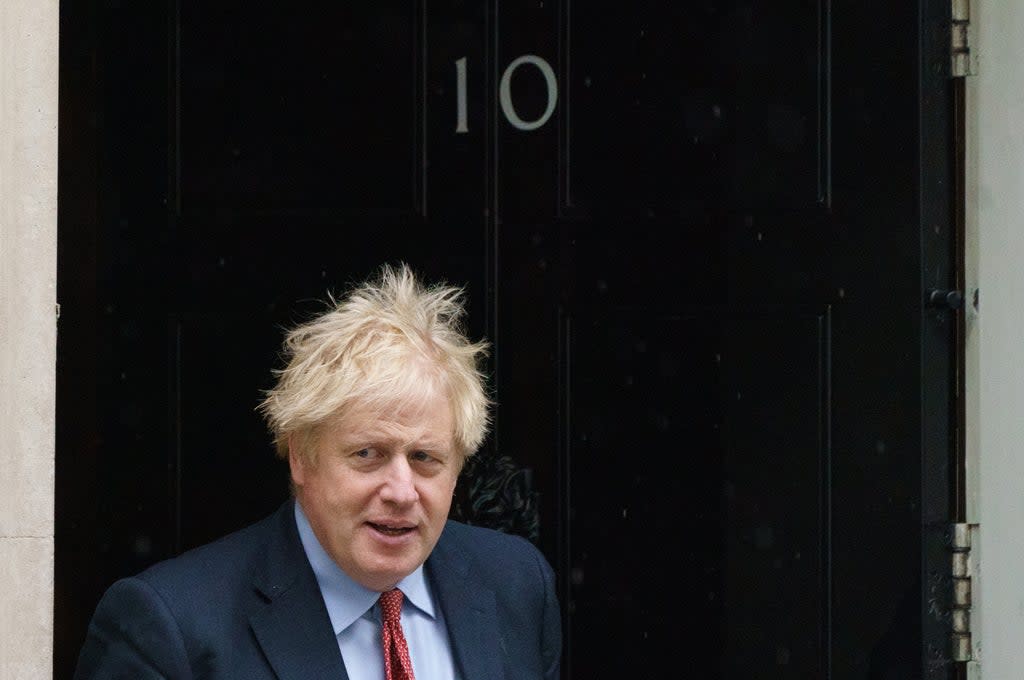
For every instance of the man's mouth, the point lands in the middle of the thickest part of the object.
(391, 530)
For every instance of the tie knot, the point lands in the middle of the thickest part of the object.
(391, 605)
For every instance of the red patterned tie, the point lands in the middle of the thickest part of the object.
(397, 665)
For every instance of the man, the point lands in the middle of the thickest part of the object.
(360, 576)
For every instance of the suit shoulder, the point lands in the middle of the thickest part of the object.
(520, 580)
(482, 535)
(221, 561)
(491, 546)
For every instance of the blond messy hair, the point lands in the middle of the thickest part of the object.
(387, 344)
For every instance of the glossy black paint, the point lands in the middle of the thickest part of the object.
(723, 406)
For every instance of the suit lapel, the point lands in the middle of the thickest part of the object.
(291, 622)
(470, 613)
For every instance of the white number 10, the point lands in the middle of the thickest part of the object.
(505, 93)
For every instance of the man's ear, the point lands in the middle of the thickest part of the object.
(296, 461)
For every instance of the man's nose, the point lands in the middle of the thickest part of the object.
(400, 484)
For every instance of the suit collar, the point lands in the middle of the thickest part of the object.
(470, 612)
(291, 623)
(345, 599)
(290, 620)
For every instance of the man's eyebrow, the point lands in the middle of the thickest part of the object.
(431, 445)
(381, 436)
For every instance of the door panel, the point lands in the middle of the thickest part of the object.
(703, 458)
(286, 113)
(696, 235)
(673, 104)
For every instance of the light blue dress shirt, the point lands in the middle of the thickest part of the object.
(355, 616)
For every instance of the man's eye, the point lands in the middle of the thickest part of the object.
(422, 456)
(364, 453)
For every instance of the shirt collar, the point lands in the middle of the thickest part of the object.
(345, 599)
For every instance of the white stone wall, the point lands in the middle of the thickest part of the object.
(28, 260)
(997, 116)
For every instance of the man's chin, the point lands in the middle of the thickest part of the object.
(383, 580)
(383, 571)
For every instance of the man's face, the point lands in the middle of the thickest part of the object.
(379, 492)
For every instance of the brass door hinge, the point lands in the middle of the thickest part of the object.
(963, 577)
(959, 40)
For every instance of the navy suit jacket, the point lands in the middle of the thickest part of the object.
(248, 606)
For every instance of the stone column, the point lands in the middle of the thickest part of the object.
(28, 277)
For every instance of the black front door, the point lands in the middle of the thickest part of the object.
(698, 235)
